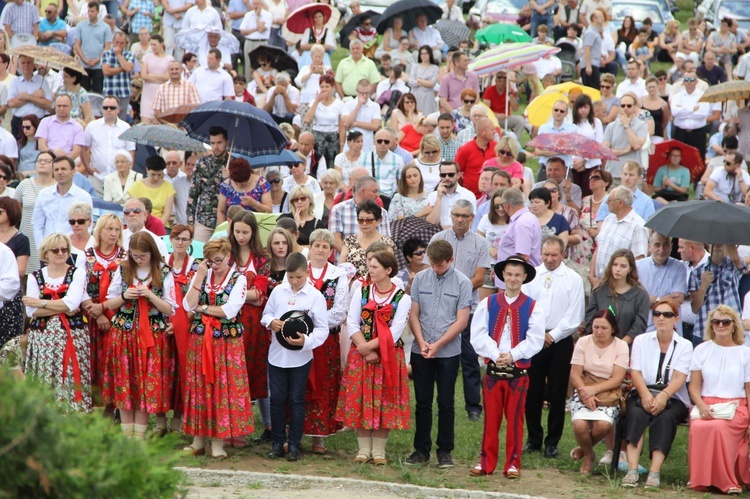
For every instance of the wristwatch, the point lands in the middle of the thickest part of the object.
(44, 303)
(204, 308)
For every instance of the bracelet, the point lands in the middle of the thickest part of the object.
(123, 296)
(197, 288)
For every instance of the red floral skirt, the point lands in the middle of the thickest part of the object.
(222, 409)
(365, 403)
(321, 402)
(181, 339)
(131, 384)
(98, 342)
(256, 340)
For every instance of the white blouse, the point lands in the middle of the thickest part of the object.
(645, 358)
(354, 318)
(725, 370)
(595, 132)
(236, 297)
(73, 297)
(115, 288)
(337, 312)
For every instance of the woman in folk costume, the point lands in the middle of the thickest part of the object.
(102, 262)
(58, 345)
(249, 258)
(374, 395)
(507, 330)
(183, 268)
(325, 375)
(217, 397)
(140, 366)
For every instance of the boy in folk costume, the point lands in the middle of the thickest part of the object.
(507, 330)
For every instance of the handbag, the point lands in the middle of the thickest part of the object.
(722, 410)
(661, 382)
(608, 398)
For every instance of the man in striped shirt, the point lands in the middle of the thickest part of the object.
(174, 92)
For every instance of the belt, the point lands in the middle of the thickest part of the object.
(505, 372)
(334, 330)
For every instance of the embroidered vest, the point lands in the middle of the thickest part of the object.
(367, 317)
(230, 327)
(40, 323)
(94, 277)
(124, 318)
(519, 312)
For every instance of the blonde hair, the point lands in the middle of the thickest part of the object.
(217, 246)
(738, 332)
(508, 142)
(52, 241)
(430, 141)
(317, 49)
(672, 26)
(102, 223)
(302, 190)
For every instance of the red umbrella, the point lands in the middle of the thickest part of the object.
(691, 159)
(302, 18)
(572, 143)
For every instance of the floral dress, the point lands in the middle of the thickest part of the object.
(356, 253)
(181, 323)
(426, 103)
(376, 396)
(235, 198)
(140, 365)
(582, 253)
(405, 206)
(217, 396)
(79, 98)
(58, 349)
(11, 313)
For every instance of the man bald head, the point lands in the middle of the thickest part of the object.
(174, 163)
(485, 130)
(306, 143)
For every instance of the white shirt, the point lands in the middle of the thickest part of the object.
(198, 19)
(366, 114)
(169, 179)
(449, 199)
(279, 106)
(644, 357)
(354, 317)
(168, 294)
(743, 67)
(250, 21)
(236, 297)
(726, 184)
(73, 296)
(686, 309)
(282, 300)
(10, 283)
(682, 105)
(8, 144)
(51, 211)
(547, 65)
(337, 312)
(430, 37)
(485, 346)
(103, 140)
(387, 84)
(226, 57)
(159, 241)
(724, 370)
(212, 85)
(326, 119)
(560, 294)
(638, 88)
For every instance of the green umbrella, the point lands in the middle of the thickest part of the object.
(502, 32)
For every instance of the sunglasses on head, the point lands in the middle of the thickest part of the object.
(723, 322)
(57, 251)
(447, 175)
(77, 221)
(666, 315)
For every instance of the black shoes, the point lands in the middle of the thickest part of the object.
(417, 457)
(293, 455)
(277, 451)
(529, 447)
(551, 452)
(264, 437)
(445, 461)
(475, 416)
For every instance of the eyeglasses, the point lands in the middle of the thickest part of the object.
(57, 251)
(275, 180)
(501, 77)
(505, 153)
(135, 86)
(181, 239)
(3, 177)
(689, 80)
(366, 221)
(666, 315)
(431, 153)
(216, 261)
(297, 200)
(135, 211)
(469, 101)
(418, 253)
(447, 175)
(727, 163)
(139, 258)
(383, 141)
(560, 110)
(723, 322)
(27, 127)
(462, 216)
(44, 161)
(78, 221)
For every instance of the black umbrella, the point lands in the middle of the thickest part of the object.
(408, 10)
(354, 23)
(280, 59)
(710, 222)
(453, 32)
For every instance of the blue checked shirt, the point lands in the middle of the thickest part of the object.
(662, 280)
(119, 84)
(448, 149)
(386, 170)
(140, 19)
(725, 290)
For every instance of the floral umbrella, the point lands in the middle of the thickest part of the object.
(572, 143)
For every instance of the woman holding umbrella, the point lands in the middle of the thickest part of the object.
(392, 36)
(318, 34)
(591, 128)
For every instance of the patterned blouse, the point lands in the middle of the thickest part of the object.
(204, 192)
(404, 206)
(234, 197)
(356, 253)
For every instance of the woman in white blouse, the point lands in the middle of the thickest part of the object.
(659, 366)
(118, 183)
(309, 76)
(720, 374)
(323, 115)
(591, 128)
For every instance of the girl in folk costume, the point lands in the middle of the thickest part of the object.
(58, 348)
(250, 259)
(101, 263)
(183, 268)
(325, 375)
(217, 397)
(374, 396)
(139, 370)
(280, 244)
(507, 330)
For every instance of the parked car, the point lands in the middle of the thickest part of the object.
(739, 10)
(497, 10)
(639, 11)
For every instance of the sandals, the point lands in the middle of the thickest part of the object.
(192, 451)
(380, 460)
(734, 491)
(631, 479)
(477, 471)
(576, 454)
(653, 481)
(361, 459)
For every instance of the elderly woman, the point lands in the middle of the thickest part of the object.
(71, 87)
(302, 211)
(540, 202)
(330, 182)
(410, 136)
(598, 368)
(79, 219)
(659, 367)
(58, 351)
(411, 197)
(428, 161)
(406, 112)
(723, 43)
(11, 312)
(245, 187)
(323, 116)
(118, 183)
(159, 191)
(720, 380)
(27, 146)
(599, 182)
(462, 114)
(369, 215)
(506, 152)
(309, 75)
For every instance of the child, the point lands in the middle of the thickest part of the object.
(288, 369)
(240, 90)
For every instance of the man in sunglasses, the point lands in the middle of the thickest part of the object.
(135, 215)
(383, 164)
(690, 116)
(448, 192)
(730, 184)
(625, 136)
(664, 277)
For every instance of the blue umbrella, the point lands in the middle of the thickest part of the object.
(251, 131)
(286, 158)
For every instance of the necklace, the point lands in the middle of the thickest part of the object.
(243, 268)
(184, 264)
(600, 199)
(384, 293)
(317, 283)
(109, 256)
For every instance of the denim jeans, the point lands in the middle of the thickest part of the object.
(538, 19)
(427, 373)
(287, 385)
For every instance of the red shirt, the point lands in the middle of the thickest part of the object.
(155, 225)
(470, 159)
(496, 99)
(412, 138)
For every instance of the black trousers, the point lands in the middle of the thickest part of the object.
(549, 369)
(428, 373)
(470, 372)
(696, 138)
(94, 81)
(590, 81)
(287, 386)
(663, 427)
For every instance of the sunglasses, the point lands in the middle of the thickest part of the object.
(431, 153)
(666, 315)
(497, 206)
(505, 153)
(553, 189)
(57, 251)
(110, 108)
(594, 177)
(297, 200)
(383, 141)
(418, 253)
(135, 211)
(626, 106)
(689, 80)
(27, 127)
(275, 180)
(78, 221)
(605, 86)
(366, 221)
(447, 175)
(3, 177)
(560, 110)
(469, 101)
(727, 163)
(723, 322)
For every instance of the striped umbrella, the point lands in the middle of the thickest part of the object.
(510, 55)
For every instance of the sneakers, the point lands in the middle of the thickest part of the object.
(417, 457)
(606, 459)
(445, 461)
(475, 416)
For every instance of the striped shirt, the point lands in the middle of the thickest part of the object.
(628, 233)
(170, 95)
(21, 18)
(448, 149)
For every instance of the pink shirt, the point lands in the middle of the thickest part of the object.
(600, 362)
(515, 170)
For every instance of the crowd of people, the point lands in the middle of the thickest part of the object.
(409, 243)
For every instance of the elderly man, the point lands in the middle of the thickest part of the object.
(625, 136)
(663, 277)
(27, 94)
(360, 114)
(117, 64)
(632, 173)
(52, 203)
(448, 141)
(135, 214)
(256, 28)
(353, 69)
(21, 18)
(472, 155)
(173, 169)
(559, 291)
(92, 39)
(101, 141)
(212, 82)
(690, 115)
(447, 194)
(730, 184)
(504, 104)
(623, 228)
(456, 81)
(422, 35)
(383, 164)
(174, 10)
(52, 29)
(283, 99)
(343, 219)
(174, 92)
(559, 124)
(710, 71)
(204, 189)
(60, 133)
(524, 234)
(571, 193)
(469, 132)
(472, 258)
